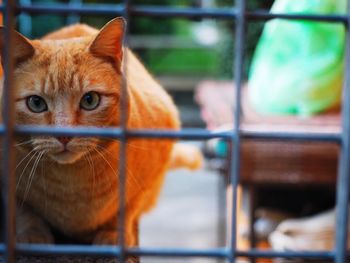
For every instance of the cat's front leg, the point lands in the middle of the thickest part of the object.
(106, 237)
(111, 237)
(31, 228)
(108, 234)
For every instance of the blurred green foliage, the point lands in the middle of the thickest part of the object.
(215, 61)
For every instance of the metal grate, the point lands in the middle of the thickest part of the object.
(237, 13)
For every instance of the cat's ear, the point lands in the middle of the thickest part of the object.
(109, 41)
(22, 48)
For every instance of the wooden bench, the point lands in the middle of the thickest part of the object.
(273, 164)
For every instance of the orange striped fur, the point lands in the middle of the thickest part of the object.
(74, 189)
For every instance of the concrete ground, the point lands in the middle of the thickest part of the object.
(187, 215)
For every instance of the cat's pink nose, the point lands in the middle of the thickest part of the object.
(64, 140)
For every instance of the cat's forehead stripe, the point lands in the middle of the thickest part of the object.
(62, 74)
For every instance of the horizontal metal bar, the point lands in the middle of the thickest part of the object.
(114, 251)
(64, 9)
(68, 131)
(187, 134)
(286, 254)
(119, 9)
(161, 11)
(179, 252)
(293, 136)
(265, 15)
(2, 248)
(71, 250)
(183, 12)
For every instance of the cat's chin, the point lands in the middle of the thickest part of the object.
(66, 157)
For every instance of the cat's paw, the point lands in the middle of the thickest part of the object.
(35, 237)
(106, 237)
(110, 237)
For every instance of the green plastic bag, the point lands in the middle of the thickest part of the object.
(298, 66)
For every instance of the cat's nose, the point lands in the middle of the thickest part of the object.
(64, 140)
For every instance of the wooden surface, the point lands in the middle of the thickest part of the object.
(289, 163)
(274, 162)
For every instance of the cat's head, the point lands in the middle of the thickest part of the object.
(68, 82)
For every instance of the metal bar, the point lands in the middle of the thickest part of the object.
(179, 252)
(25, 21)
(286, 254)
(113, 251)
(265, 15)
(122, 152)
(183, 12)
(343, 180)
(236, 137)
(64, 9)
(8, 115)
(188, 134)
(293, 136)
(251, 194)
(69, 250)
(2, 248)
(74, 18)
(179, 12)
(119, 9)
(123, 134)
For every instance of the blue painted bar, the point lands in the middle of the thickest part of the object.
(183, 12)
(166, 12)
(265, 16)
(9, 180)
(235, 156)
(293, 136)
(235, 135)
(343, 180)
(320, 255)
(187, 134)
(69, 250)
(179, 252)
(114, 251)
(123, 106)
(64, 9)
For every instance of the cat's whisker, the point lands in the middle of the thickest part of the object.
(31, 176)
(104, 158)
(112, 155)
(23, 159)
(24, 143)
(132, 177)
(91, 164)
(19, 144)
(129, 174)
(108, 163)
(24, 169)
(43, 180)
(129, 144)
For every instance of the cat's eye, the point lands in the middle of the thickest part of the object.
(90, 100)
(36, 104)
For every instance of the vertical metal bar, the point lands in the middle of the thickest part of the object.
(72, 19)
(8, 116)
(344, 163)
(251, 213)
(122, 153)
(235, 157)
(25, 20)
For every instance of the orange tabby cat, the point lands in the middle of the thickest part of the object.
(72, 77)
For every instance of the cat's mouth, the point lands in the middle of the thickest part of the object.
(66, 156)
(65, 150)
